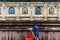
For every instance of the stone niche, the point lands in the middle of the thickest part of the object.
(11, 10)
(52, 11)
(25, 11)
(37, 10)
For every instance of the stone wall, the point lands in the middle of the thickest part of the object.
(31, 13)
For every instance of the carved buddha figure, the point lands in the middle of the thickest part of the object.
(24, 10)
(51, 10)
(38, 10)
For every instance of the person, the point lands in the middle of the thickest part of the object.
(36, 32)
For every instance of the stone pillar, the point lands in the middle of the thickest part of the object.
(31, 15)
(3, 11)
(58, 11)
(17, 10)
(45, 11)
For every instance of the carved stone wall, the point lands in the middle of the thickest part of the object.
(44, 16)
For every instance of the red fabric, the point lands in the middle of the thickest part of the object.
(29, 37)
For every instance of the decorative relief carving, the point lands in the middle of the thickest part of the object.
(25, 10)
(11, 10)
(36, 9)
(52, 10)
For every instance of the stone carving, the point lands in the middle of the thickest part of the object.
(24, 10)
(38, 10)
(11, 10)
